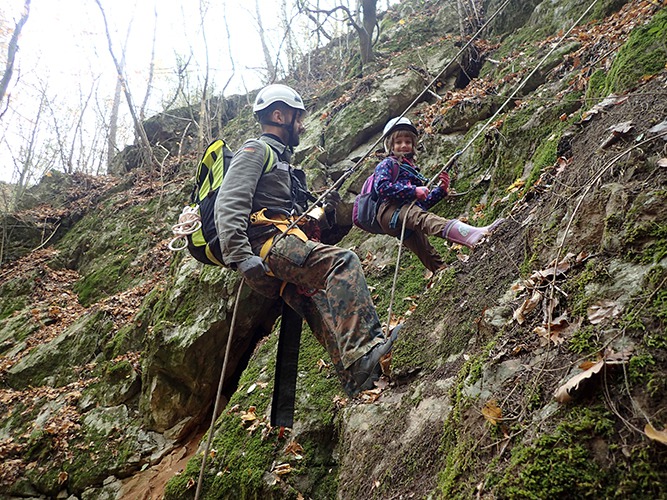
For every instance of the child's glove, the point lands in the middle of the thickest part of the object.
(444, 181)
(421, 193)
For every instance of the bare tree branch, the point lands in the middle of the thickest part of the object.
(12, 50)
(147, 152)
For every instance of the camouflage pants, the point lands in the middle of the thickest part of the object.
(421, 223)
(340, 312)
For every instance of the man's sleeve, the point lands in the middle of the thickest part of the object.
(234, 202)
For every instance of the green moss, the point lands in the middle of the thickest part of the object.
(578, 298)
(15, 295)
(584, 341)
(645, 53)
(559, 464)
(243, 459)
(647, 242)
(460, 449)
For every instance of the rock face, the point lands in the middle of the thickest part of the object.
(534, 366)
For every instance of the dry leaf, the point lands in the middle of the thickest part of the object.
(527, 307)
(562, 394)
(604, 309)
(295, 449)
(655, 435)
(282, 469)
(662, 162)
(492, 412)
(249, 416)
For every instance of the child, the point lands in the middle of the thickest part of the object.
(397, 192)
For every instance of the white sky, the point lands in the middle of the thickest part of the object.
(63, 49)
(63, 46)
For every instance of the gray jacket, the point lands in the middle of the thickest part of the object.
(245, 190)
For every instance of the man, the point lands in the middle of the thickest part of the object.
(324, 284)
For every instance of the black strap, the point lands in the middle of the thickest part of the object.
(284, 387)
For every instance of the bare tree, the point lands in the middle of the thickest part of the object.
(151, 69)
(148, 157)
(363, 28)
(115, 106)
(204, 135)
(11, 53)
(268, 59)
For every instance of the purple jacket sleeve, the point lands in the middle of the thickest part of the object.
(390, 189)
(436, 194)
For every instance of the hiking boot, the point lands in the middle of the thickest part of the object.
(367, 370)
(469, 236)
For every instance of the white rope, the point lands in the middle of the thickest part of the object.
(188, 223)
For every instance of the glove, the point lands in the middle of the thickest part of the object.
(331, 201)
(421, 193)
(252, 268)
(444, 181)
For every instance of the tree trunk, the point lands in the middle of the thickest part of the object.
(147, 155)
(11, 52)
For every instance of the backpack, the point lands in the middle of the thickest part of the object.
(202, 238)
(367, 202)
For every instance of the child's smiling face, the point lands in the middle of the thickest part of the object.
(402, 143)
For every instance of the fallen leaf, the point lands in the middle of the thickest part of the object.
(655, 435)
(563, 393)
(492, 412)
(659, 128)
(295, 449)
(602, 310)
(527, 307)
(516, 185)
(282, 469)
(662, 162)
(249, 416)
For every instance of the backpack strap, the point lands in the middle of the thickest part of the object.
(269, 158)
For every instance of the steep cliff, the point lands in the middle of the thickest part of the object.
(532, 367)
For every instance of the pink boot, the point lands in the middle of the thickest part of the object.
(463, 234)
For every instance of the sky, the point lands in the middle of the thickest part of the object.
(63, 54)
(63, 48)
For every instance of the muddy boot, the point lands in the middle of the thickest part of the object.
(469, 236)
(367, 370)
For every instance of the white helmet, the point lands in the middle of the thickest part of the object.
(399, 124)
(277, 93)
(392, 126)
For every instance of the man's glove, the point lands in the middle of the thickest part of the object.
(252, 268)
(444, 181)
(421, 193)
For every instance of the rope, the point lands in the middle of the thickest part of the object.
(219, 392)
(188, 223)
(339, 182)
(186, 226)
(452, 159)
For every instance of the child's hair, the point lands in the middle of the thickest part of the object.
(389, 144)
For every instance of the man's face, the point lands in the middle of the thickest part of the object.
(298, 128)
